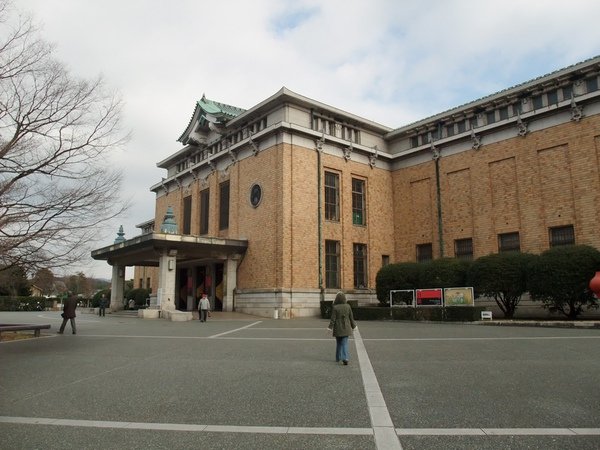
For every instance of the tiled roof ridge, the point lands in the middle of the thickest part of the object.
(516, 86)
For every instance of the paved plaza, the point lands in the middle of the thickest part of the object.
(245, 382)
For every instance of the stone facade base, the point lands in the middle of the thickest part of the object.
(149, 313)
(177, 316)
(290, 304)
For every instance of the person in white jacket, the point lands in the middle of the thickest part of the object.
(203, 308)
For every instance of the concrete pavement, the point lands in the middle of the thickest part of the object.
(249, 382)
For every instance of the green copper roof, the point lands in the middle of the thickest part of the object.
(218, 112)
(218, 109)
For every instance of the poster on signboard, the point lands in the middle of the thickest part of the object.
(429, 297)
(462, 296)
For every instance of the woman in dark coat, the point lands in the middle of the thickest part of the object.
(342, 323)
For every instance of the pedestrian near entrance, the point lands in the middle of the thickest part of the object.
(341, 323)
(103, 305)
(203, 308)
(69, 313)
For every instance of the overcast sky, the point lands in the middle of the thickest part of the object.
(390, 61)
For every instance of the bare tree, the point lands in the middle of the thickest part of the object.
(56, 134)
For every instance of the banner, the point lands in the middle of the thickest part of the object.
(459, 296)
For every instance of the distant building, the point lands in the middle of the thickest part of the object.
(284, 204)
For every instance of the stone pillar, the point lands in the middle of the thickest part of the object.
(230, 282)
(167, 269)
(117, 285)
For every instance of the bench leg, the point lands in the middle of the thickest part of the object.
(37, 332)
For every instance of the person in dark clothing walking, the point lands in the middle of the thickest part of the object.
(341, 323)
(103, 305)
(69, 313)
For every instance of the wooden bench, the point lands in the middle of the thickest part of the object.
(23, 327)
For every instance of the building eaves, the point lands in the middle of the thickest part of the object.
(286, 95)
(514, 91)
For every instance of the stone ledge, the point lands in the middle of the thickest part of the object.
(177, 316)
(149, 313)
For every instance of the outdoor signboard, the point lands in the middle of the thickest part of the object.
(462, 296)
(429, 297)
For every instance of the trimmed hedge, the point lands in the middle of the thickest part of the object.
(436, 314)
(24, 303)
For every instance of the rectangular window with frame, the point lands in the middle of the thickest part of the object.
(509, 242)
(204, 208)
(360, 266)
(591, 84)
(148, 283)
(358, 202)
(552, 97)
(332, 264)
(187, 215)
(490, 117)
(538, 101)
(424, 252)
(564, 235)
(224, 205)
(503, 113)
(463, 248)
(332, 196)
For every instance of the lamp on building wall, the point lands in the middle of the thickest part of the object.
(171, 264)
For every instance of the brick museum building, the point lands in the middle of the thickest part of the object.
(272, 209)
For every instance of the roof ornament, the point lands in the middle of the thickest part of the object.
(164, 185)
(576, 110)
(212, 165)
(521, 126)
(120, 235)
(319, 142)
(348, 152)
(476, 140)
(253, 144)
(436, 154)
(233, 155)
(169, 226)
(373, 157)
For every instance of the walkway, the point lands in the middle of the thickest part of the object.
(247, 382)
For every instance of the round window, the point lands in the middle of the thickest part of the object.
(255, 195)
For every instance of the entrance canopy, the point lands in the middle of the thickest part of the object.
(145, 250)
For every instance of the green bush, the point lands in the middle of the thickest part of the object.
(560, 277)
(501, 276)
(396, 277)
(443, 273)
(10, 303)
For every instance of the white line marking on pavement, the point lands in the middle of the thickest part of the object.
(383, 428)
(300, 430)
(515, 338)
(233, 331)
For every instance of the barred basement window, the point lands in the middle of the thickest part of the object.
(463, 248)
(332, 264)
(509, 242)
(564, 235)
(424, 252)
